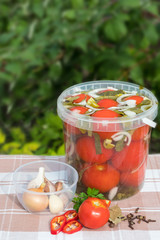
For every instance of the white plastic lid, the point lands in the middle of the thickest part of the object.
(107, 124)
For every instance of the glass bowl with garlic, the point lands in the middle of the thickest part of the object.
(45, 186)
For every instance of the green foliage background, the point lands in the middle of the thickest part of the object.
(49, 45)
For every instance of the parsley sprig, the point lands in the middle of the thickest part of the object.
(80, 198)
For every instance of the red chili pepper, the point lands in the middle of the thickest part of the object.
(57, 224)
(71, 215)
(72, 227)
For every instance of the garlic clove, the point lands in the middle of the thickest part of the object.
(55, 204)
(59, 186)
(112, 193)
(49, 187)
(64, 198)
(36, 182)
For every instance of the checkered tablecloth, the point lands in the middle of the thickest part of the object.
(16, 223)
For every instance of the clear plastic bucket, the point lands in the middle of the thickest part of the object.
(110, 154)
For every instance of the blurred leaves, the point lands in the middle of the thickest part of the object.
(2, 137)
(46, 135)
(47, 46)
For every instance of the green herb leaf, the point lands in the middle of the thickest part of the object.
(136, 110)
(111, 93)
(91, 192)
(97, 143)
(101, 196)
(144, 102)
(120, 145)
(83, 195)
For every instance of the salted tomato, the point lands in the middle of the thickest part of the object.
(71, 129)
(101, 176)
(138, 99)
(140, 133)
(134, 178)
(130, 157)
(85, 148)
(107, 103)
(101, 130)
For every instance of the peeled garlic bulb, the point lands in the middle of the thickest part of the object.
(55, 204)
(36, 182)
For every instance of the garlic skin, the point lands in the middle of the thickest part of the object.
(55, 204)
(49, 187)
(36, 182)
(59, 186)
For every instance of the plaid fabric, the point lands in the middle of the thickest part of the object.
(16, 223)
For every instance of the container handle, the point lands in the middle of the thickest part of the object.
(149, 122)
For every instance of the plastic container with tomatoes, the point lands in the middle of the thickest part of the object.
(107, 126)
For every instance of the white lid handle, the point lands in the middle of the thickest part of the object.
(149, 122)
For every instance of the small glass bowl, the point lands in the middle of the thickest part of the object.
(40, 202)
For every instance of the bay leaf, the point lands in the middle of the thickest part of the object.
(97, 143)
(136, 110)
(107, 97)
(120, 145)
(111, 93)
(71, 99)
(115, 214)
(144, 102)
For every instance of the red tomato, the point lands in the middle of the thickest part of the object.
(71, 129)
(138, 99)
(79, 109)
(105, 135)
(81, 96)
(106, 113)
(85, 148)
(140, 133)
(106, 201)
(107, 103)
(134, 178)
(130, 157)
(93, 213)
(101, 176)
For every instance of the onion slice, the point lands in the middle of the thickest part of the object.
(119, 99)
(130, 113)
(118, 136)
